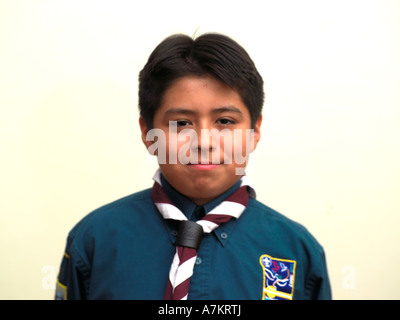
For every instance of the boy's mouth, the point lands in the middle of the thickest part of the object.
(208, 166)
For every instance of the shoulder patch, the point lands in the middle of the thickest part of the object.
(61, 291)
(279, 275)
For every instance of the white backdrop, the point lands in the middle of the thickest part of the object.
(329, 154)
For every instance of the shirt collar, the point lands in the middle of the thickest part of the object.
(187, 206)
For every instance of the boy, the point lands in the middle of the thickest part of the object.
(199, 232)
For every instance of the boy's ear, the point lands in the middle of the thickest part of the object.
(257, 131)
(144, 129)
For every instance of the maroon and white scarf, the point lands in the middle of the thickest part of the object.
(185, 257)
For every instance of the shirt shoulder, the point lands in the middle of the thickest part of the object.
(124, 205)
(129, 212)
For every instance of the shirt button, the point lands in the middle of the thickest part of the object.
(174, 233)
(224, 235)
(198, 261)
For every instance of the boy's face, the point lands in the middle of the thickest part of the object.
(197, 105)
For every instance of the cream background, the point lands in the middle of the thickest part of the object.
(329, 155)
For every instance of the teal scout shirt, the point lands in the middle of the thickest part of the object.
(124, 250)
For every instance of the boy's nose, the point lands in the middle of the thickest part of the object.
(204, 141)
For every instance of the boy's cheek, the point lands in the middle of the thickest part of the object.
(179, 149)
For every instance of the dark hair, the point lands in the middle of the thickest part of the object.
(210, 54)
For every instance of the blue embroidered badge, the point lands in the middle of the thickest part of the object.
(279, 277)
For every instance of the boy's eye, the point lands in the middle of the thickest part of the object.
(182, 123)
(225, 121)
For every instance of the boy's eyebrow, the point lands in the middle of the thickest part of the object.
(223, 109)
(173, 111)
(227, 109)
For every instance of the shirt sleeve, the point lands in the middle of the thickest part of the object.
(72, 281)
(318, 285)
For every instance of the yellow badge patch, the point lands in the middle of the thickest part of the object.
(279, 277)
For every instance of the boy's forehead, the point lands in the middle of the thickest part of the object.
(192, 94)
(190, 82)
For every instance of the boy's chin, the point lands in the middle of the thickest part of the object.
(201, 183)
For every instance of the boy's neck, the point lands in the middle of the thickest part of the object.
(187, 205)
